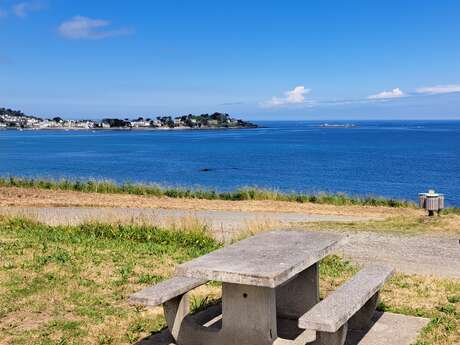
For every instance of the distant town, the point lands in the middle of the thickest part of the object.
(15, 119)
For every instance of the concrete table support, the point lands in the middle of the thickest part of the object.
(249, 314)
(249, 317)
(295, 297)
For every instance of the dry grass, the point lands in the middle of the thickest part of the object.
(245, 193)
(429, 297)
(400, 220)
(12, 196)
(407, 224)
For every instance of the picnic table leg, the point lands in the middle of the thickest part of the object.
(248, 318)
(298, 295)
(248, 315)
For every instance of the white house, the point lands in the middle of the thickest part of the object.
(140, 123)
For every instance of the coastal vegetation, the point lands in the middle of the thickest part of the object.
(16, 119)
(69, 284)
(247, 193)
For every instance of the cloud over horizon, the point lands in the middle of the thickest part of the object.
(297, 96)
(439, 89)
(294, 96)
(80, 27)
(395, 93)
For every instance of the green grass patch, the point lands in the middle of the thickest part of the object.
(247, 193)
(69, 284)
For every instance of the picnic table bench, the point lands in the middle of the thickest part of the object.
(270, 293)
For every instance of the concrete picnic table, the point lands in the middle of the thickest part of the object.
(269, 282)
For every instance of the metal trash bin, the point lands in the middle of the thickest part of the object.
(431, 201)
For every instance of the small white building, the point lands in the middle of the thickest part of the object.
(84, 124)
(140, 123)
(48, 124)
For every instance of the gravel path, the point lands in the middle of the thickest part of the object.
(225, 224)
(414, 254)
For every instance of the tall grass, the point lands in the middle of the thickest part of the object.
(247, 193)
(196, 242)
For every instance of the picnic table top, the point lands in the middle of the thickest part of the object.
(267, 259)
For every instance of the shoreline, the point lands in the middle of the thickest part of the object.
(127, 129)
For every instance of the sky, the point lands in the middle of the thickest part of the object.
(259, 60)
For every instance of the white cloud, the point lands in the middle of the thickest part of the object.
(80, 27)
(22, 9)
(295, 96)
(439, 89)
(395, 93)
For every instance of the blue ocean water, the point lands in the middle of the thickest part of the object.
(388, 158)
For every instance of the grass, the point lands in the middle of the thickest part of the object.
(69, 284)
(451, 210)
(248, 193)
(409, 225)
(428, 297)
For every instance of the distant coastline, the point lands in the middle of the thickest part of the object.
(15, 119)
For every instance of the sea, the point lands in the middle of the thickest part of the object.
(394, 159)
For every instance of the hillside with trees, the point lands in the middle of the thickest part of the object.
(17, 119)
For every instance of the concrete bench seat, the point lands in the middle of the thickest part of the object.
(351, 305)
(165, 291)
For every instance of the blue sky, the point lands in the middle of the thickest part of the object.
(260, 60)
